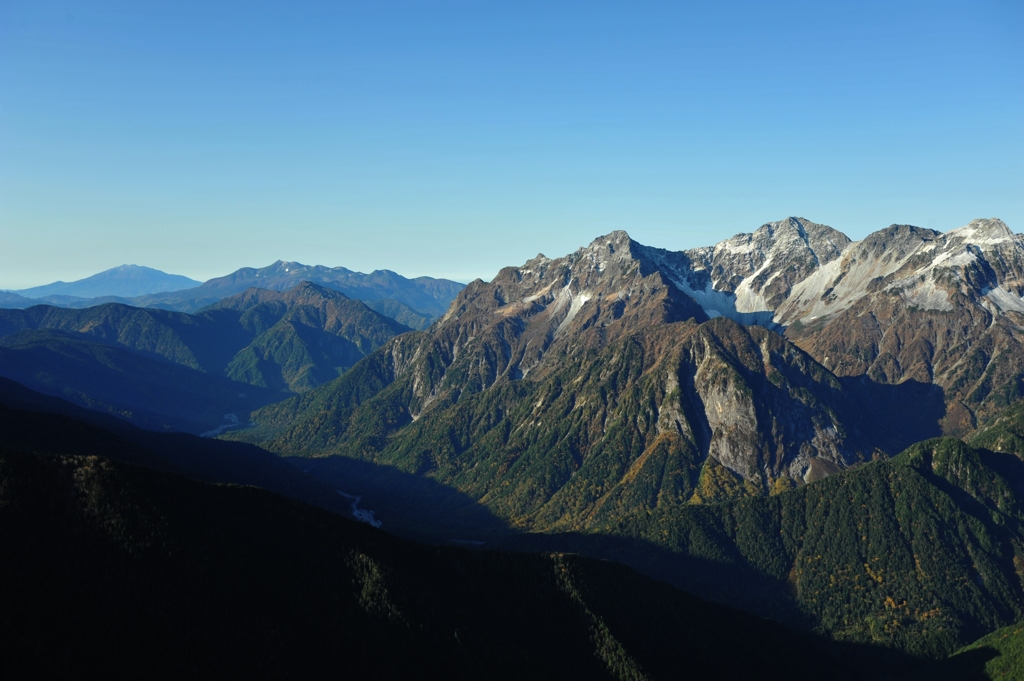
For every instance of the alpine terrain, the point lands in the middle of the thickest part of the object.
(824, 433)
(603, 397)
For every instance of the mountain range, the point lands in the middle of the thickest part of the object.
(679, 354)
(172, 370)
(822, 432)
(622, 382)
(412, 302)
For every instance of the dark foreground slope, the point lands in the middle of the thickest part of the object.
(113, 568)
(33, 423)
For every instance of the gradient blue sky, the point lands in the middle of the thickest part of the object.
(452, 138)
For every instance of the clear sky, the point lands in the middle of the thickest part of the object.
(452, 138)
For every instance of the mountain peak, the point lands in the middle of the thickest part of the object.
(617, 237)
(983, 232)
(615, 246)
(302, 292)
(308, 288)
(124, 280)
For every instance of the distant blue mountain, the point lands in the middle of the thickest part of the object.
(412, 302)
(126, 281)
(13, 300)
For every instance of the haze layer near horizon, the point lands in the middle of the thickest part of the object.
(452, 138)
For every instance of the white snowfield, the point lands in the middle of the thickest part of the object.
(785, 272)
(921, 266)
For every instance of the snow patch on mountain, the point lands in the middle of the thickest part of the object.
(982, 233)
(954, 259)
(1005, 300)
(574, 308)
(721, 304)
(925, 294)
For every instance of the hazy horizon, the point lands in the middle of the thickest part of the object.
(404, 274)
(449, 139)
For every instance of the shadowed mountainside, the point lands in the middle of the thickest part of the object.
(34, 423)
(112, 568)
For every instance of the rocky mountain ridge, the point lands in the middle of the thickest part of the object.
(793, 276)
(905, 303)
(569, 389)
(616, 336)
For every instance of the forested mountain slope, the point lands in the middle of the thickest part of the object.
(565, 383)
(303, 337)
(998, 657)
(921, 552)
(141, 388)
(170, 370)
(114, 569)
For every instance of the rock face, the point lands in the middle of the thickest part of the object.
(749, 276)
(623, 374)
(928, 307)
(586, 299)
(906, 304)
(569, 389)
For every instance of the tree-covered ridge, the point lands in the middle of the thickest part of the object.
(290, 340)
(115, 569)
(922, 552)
(402, 313)
(1000, 656)
(1005, 433)
(675, 414)
(302, 337)
(33, 423)
(139, 387)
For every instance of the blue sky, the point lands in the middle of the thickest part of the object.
(452, 138)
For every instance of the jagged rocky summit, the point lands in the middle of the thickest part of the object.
(565, 386)
(904, 304)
